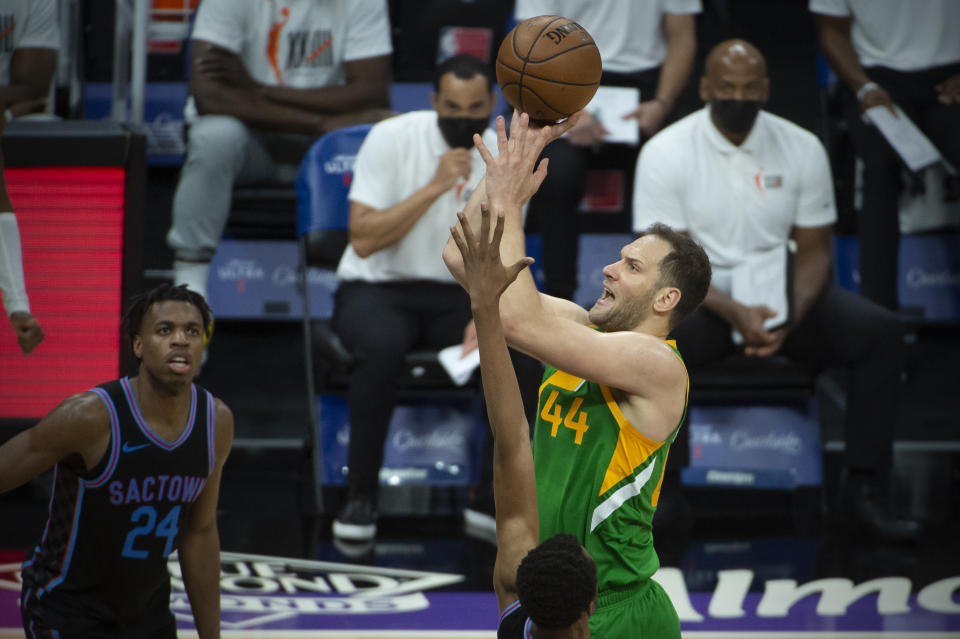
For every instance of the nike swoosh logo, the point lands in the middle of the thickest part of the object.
(127, 448)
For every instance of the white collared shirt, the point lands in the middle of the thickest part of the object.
(734, 200)
(628, 33)
(907, 35)
(399, 156)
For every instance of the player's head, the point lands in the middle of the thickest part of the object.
(557, 583)
(463, 98)
(662, 274)
(735, 84)
(154, 314)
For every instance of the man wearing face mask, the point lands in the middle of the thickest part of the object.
(413, 173)
(746, 185)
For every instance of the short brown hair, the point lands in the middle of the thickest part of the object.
(686, 266)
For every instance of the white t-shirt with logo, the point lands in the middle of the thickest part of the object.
(907, 35)
(628, 33)
(26, 24)
(296, 43)
(734, 200)
(399, 156)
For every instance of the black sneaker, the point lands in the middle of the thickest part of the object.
(357, 521)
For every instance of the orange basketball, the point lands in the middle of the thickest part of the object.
(548, 67)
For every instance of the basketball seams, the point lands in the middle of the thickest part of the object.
(564, 52)
(525, 70)
(542, 101)
(525, 58)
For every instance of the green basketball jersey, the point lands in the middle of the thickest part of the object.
(598, 478)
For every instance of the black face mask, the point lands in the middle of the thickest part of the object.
(458, 132)
(735, 116)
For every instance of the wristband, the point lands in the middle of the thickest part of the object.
(865, 89)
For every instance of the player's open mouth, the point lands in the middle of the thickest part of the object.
(607, 296)
(179, 364)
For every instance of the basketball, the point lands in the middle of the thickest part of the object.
(548, 67)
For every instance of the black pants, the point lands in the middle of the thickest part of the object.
(878, 221)
(379, 324)
(841, 330)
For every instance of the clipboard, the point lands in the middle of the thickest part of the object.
(765, 278)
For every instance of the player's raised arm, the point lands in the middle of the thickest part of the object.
(516, 182)
(485, 279)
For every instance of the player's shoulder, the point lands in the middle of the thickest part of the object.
(223, 417)
(84, 412)
(652, 352)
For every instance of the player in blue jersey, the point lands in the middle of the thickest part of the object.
(137, 466)
(547, 590)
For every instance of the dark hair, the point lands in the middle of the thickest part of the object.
(463, 66)
(687, 267)
(133, 318)
(556, 582)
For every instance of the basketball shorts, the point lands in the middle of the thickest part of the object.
(42, 621)
(644, 613)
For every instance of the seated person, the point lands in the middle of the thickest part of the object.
(745, 184)
(645, 45)
(266, 81)
(413, 172)
(28, 61)
(887, 53)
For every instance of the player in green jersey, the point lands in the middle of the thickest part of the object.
(614, 392)
(546, 590)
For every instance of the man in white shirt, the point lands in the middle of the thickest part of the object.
(413, 172)
(28, 60)
(886, 53)
(746, 185)
(645, 44)
(267, 78)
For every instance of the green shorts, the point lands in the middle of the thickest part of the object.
(644, 613)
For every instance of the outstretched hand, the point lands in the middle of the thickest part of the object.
(486, 276)
(514, 176)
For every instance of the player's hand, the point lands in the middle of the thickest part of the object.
(772, 345)
(877, 97)
(948, 91)
(749, 322)
(28, 330)
(649, 116)
(587, 132)
(510, 179)
(485, 275)
(454, 167)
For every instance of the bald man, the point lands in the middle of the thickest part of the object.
(756, 192)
